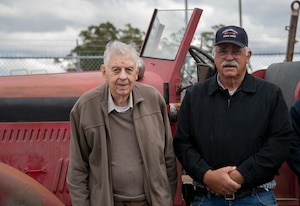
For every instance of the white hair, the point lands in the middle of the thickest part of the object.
(118, 47)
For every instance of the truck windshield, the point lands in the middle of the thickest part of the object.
(165, 33)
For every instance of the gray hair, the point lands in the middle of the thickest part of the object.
(117, 47)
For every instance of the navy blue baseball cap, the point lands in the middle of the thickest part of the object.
(232, 34)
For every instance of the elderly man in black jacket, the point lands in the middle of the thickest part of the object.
(233, 130)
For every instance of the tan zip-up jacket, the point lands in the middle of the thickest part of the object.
(89, 172)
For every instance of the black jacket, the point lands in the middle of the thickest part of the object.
(250, 130)
(294, 156)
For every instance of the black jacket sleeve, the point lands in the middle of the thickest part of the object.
(294, 156)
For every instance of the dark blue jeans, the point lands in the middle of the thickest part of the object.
(265, 198)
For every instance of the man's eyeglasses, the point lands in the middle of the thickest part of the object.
(236, 53)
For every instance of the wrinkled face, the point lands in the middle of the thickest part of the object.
(121, 74)
(231, 60)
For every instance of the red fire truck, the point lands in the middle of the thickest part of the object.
(34, 113)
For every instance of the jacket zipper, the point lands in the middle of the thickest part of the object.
(230, 97)
(228, 101)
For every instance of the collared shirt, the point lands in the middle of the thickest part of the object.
(221, 85)
(112, 106)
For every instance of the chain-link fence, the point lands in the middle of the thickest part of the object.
(58, 64)
(38, 65)
(262, 60)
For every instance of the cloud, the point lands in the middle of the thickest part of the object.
(27, 22)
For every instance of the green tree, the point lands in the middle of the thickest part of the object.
(208, 38)
(131, 34)
(94, 40)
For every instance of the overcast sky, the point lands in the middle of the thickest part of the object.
(56, 24)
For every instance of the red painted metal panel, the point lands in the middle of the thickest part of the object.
(20, 189)
(40, 150)
(70, 84)
(259, 73)
(287, 189)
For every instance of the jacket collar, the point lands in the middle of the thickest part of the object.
(248, 84)
(136, 94)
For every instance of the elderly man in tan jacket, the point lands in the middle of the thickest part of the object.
(121, 151)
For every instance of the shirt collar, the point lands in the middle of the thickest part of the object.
(248, 84)
(112, 106)
(221, 85)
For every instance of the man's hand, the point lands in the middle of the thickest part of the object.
(220, 182)
(236, 176)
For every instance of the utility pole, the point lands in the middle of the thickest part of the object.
(186, 13)
(295, 7)
(240, 12)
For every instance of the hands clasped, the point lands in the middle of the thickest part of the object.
(223, 181)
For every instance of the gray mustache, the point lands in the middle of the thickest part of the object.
(229, 64)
